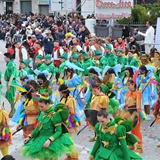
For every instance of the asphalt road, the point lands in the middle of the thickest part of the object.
(151, 135)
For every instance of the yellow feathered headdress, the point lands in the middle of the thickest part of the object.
(4, 117)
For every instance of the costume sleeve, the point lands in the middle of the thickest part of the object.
(57, 122)
(97, 143)
(105, 101)
(112, 60)
(121, 132)
(71, 103)
(76, 80)
(139, 99)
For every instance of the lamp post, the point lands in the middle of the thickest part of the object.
(60, 2)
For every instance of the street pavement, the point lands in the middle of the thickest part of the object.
(151, 135)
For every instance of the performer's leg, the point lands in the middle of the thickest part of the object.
(93, 138)
(136, 131)
(4, 151)
(147, 109)
(75, 155)
(12, 90)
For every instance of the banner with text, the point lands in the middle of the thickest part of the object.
(107, 9)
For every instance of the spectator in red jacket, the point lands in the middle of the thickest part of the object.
(120, 44)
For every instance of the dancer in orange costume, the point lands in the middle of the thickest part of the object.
(133, 102)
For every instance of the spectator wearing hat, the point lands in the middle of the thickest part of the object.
(102, 62)
(121, 59)
(10, 76)
(110, 57)
(40, 66)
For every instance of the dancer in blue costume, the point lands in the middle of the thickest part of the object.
(73, 81)
(144, 83)
(23, 80)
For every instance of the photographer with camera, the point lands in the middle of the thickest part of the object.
(48, 43)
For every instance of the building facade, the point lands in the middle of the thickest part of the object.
(24, 6)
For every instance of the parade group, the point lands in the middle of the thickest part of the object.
(112, 88)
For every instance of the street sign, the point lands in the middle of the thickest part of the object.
(55, 5)
(61, 5)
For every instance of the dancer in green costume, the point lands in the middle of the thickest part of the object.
(74, 59)
(49, 141)
(39, 64)
(25, 66)
(102, 59)
(131, 61)
(112, 139)
(121, 59)
(10, 76)
(49, 64)
(87, 62)
(111, 58)
(63, 59)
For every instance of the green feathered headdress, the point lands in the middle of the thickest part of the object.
(106, 88)
(63, 110)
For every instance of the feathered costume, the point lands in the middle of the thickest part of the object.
(5, 132)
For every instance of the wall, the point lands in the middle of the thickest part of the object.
(16, 6)
(88, 7)
(35, 6)
(1, 7)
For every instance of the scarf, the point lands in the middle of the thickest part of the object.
(86, 44)
(56, 48)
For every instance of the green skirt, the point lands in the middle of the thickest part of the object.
(113, 105)
(34, 148)
(117, 154)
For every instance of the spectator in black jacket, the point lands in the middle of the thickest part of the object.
(3, 34)
(125, 32)
(133, 42)
(12, 31)
(48, 43)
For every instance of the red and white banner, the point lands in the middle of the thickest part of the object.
(107, 9)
